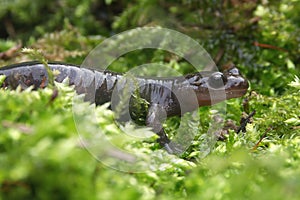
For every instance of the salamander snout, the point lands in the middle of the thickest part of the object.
(231, 80)
(235, 79)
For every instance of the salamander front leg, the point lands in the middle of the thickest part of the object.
(156, 115)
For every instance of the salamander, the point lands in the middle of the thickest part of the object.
(165, 96)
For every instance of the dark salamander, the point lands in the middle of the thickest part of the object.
(164, 95)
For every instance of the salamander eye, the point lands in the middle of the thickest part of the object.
(234, 71)
(217, 80)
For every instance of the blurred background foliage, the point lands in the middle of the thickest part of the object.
(261, 37)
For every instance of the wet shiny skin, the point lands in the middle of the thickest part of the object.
(172, 96)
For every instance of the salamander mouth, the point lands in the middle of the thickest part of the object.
(236, 92)
(213, 96)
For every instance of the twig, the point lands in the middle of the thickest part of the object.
(245, 121)
(261, 138)
(10, 52)
(219, 55)
(53, 96)
(268, 46)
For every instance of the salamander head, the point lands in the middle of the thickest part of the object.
(217, 86)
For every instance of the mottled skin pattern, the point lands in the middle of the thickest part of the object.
(166, 96)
